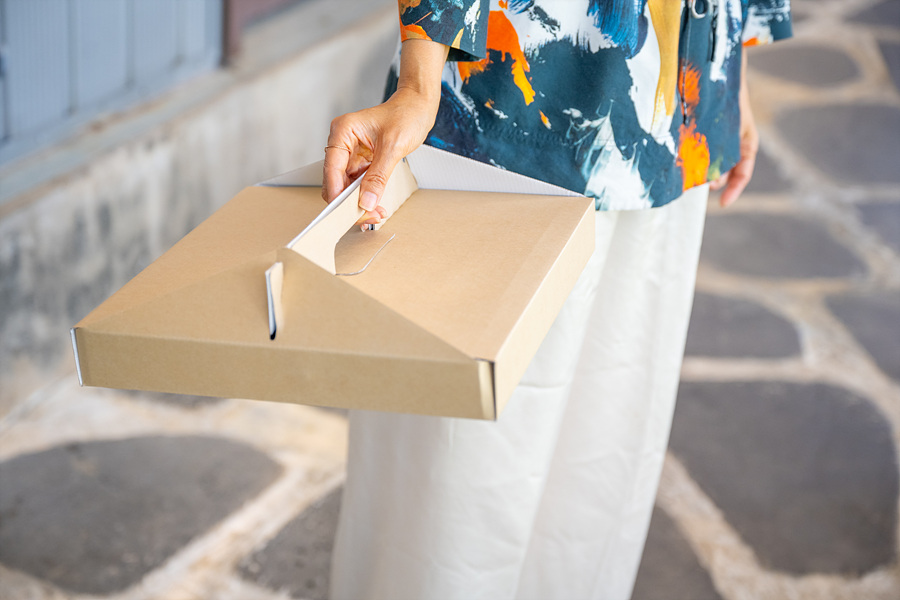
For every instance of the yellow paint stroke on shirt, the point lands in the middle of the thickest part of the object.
(502, 37)
(457, 40)
(666, 18)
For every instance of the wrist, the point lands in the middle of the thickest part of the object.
(426, 97)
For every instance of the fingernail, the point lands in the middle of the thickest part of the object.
(368, 201)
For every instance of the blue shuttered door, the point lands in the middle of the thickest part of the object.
(37, 64)
(215, 29)
(193, 29)
(100, 61)
(64, 62)
(155, 38)
(3, 113)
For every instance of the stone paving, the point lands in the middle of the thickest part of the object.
(782, 475)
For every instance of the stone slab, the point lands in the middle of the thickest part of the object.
(811, 65)
(891, 53)
(884, 218)
(767, 177)
(854, 143)
(886, 13)
(874, 320)
(669, 569)
(775, 245)
(95, 517)
(298, 560)
(806, 474)
(730, 327)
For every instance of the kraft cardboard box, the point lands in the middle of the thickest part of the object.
(438, 312)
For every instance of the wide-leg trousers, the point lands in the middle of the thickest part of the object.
(553, 500)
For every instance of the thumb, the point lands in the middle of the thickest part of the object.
(375, 180)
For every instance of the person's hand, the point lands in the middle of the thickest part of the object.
(378, 138)
(735, 180)
(375, 139)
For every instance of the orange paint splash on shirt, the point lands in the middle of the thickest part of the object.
(752, 42)
(467, 69)
(693, 149)
(503, 38)
(412, 32)
(693, 156)
(544, 119)
(690, 87)
(504, 4)
(405, 5)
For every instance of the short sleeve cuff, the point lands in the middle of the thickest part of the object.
(767, 22)
(460, 25)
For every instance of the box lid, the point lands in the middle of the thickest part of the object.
(444, 320)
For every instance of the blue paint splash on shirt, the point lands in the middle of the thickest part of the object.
(623, 21)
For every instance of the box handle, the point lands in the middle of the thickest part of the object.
(316, 243)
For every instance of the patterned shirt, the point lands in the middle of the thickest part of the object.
(628, 101)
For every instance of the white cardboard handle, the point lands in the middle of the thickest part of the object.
(317, 241)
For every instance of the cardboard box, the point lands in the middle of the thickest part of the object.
(443, 321)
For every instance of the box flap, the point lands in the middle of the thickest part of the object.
(441, 170)
(437, 169)
(256, 221)
(340, 348)
(449, 271)
(308, 176)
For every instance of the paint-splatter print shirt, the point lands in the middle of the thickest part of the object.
(629, 101)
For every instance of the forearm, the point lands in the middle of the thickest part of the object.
(421, 65)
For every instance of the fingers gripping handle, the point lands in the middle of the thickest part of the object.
(317, 241)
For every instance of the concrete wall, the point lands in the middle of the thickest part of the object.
(71, 242)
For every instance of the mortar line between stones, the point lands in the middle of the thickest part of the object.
(732, 564)
(196, 570)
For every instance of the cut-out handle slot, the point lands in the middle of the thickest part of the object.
(274, 289)
(368, 262)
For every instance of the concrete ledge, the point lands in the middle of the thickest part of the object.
(80, 219)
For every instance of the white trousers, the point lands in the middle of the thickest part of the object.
(553, 500)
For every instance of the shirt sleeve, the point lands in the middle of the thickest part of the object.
(460, 24)
(766, 21)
